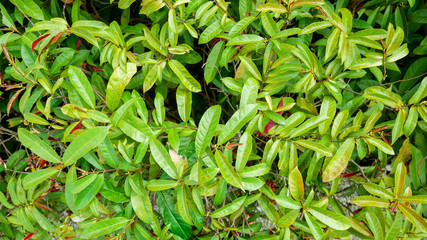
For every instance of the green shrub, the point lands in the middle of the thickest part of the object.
(294, 119)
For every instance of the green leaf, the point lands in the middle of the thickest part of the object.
(86, 195)
(103, 227)
(420, 93)
(23, 219)
(85, 142)
(162, 157)
(384, 147)
(41, 220)
(177, 225)
(82, 183)
(123, 4)
(83, 33)
(244, 39)
(307, 126)
(240, 26)
(227, 170)
(184, 102)
(186, 79)
(378, 191)
(399, 179)
(207, 126)
(316, 230)
(229, 208)
(119, 113)
(117, 83)
(249, 92)
(80, 82)
(383, 95)
(369, 201)
(365, 63)
(255, 170)
(415, 199)
(210, 32)
(413, 217)
(236, 122)
(37, 146)
(136, 128)
(251, 67)
(394, 229)
(155, 43)
(333, 220)
(287, 202)
(4, 201)
(142, 206)
(243, 152)
(160, 185)
(181, 202)
(266, 7)
(33, 179)
(211, 67)
(397, 130)
(172, 21)
(296, 184)
(339, 162)
(315, 26)
(317, 147)
(375, 225)
(30, 8)
(411, 121)
(270, 26)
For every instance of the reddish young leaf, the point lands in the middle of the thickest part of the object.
(12, 100)
(30, 235)
(37, 41)
(78, 126)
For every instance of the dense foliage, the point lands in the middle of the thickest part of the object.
(206, 119)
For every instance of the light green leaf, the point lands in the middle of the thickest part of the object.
(142, 206)
(315, 26)
(240, 26)
(160, 185)
(184, 102)
(86, 195)
(378, 191)
(333, 220)
(162, 157)
(375, 225)
(339, 162)
(37, 146)
(236, 122)
(211, 67)
(210, 32)
(136, 128)
(83, 33)
(244, 39)
(84, 143)
(296, 184)
(187, 80)
(266, 7)
(82, 84)
(243, 153)
(33, 118)
(104, 227)
(413, 217)
(251, 67)
(227, 170)
(317, 147)
(369, 201)
(287, 202)
(82, 183)
(316, 230)
(397, 130)
(380, 145)
(307, 126)
(33, 179)
(207, 126)
(229, 208)
(399, 179)
(30, 8)
(117, 83)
